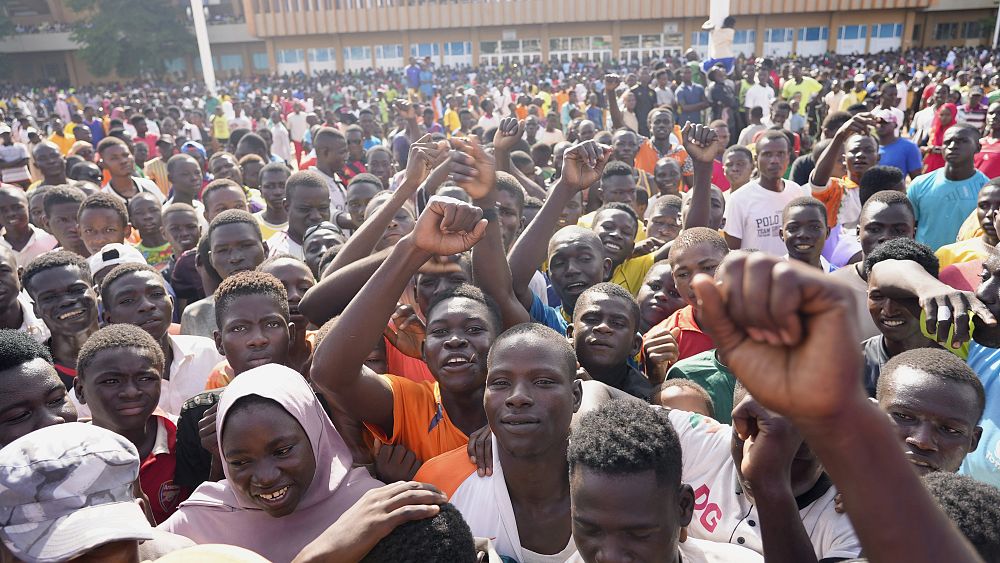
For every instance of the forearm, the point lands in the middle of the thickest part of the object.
(492, 272)
(528, 253)
(331, 295)
(412, 130)
(903, 279)
(784, 537)
(363, 241)
(502, 158)
(616, 112)
(530, 187)
(363, 321)
(700, 212)
(824, 165)
(861, 453)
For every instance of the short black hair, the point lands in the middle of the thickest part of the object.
(179, 208)
(305, 178)
(804, 201)
(275, 167)
(737, 149)
(103, 200)
(697, 235)
(669, 200)
(508, 183)
(532, 202)
(444, 538)
(771, 135)
(836, 120)
(117, 336)
(224, 154)
(219, 184)
(889, 197)
(611, 290)
(231, 217)
(122, 270)
(60, 194)
(878, 178)
(688, 384)
(941, 364)
(245, 283)
(616, 168)
(366, 178)
(54, 259)
(973, 506)
(619, 206)
(254, 143)
(17, 348)
(279, 257)
(109, 141)
(903, 249)
(623, 437)
(539, 332)
(473, 293)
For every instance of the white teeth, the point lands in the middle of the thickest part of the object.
(70, 314)
(275, 495)
(458, 361)
(613, 246)
(892, 323)
(803, 246)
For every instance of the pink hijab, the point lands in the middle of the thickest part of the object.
(217, 513)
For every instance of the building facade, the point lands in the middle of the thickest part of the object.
(268, 36)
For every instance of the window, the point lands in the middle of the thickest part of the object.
(850, 32)
(531, 46)
(425, 50)
(231, 63)
(887, 30)
(259, 61)
(357, 53)
(814, 33)
(322, 55)
(973, 30)
(289, 56)
(579, 43)
(945, 31)
(389, 51)
(699, 38)
(652, 41)
(744, 36)
(778, 35)
(456, 48)
(629, 41)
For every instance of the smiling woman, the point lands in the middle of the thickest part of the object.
(288, 471)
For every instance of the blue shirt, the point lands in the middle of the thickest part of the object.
(942, 205)
(413, 76)
(983, 464)
(548, 316)
(689, 95)
(903, 154)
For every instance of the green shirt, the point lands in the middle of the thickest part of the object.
(706, 370)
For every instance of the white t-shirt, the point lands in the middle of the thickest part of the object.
(753, 215)
(489, 122)
(281, 243)
(760, 96)
(722, 513)
(12, 153)
(700, 551)
(297, 125)
(550, 137)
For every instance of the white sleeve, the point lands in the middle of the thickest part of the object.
(734, 218)
(705, 444)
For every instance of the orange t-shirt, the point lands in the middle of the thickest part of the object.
(832, 197)
(647, 156)
(447, 471)
(521, 112)
(419, 420)
(410, 368)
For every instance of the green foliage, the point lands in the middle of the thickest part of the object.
(6, 26)
(131, 37)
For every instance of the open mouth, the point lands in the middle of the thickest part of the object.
(892, 323)
(803, 247)
(458, 362)
(70, 315)
(924, 466)
(576, 288)
(274, 497)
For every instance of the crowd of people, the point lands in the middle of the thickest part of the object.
(671, 310)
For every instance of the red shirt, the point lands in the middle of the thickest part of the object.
(156, 474)
(719, 176)
(691, 340)
(988, 158)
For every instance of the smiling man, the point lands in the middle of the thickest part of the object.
(804, 230)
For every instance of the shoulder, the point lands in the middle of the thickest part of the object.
(447, 471)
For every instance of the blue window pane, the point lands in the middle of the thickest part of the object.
(260, 61)
(826, 33)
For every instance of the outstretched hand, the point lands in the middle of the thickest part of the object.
(583, 164)
(472, 168)
(405, 109)
(448, 226)
(700, 142)
(611, 83)
(785, 331)
(508, 133)
(424, 155)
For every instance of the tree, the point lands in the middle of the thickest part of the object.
(131, 37)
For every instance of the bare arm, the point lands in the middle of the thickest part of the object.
(857, 125)
(611, 82)
(508, 133)
(331, 295)
(700, 142)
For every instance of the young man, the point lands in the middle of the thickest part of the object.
(103, 220)
(943, 198)
(427, 418)
(307, 202)
(627, 498)
(116, 160)
(274, 218)
(737, 165)
(530, 397)
(331, 155)
(119, 380)
(182, 229)
(978, 248)
(895, 313)
(887, 215)
(50, 163)
(31, 394)
(935, 401)
(664, 218)
(804, 230)
(604, 336)
(753, 213)
(62, 205)
(297, 279)
(235, 245)
(617, 185)
(658, 298)
(145, 213)
(360, 191)
(222, 195)
(19, 235)
(136, 294)
(61, 287)
(186, 181)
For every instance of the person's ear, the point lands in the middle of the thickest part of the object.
(569, 333)
(608, 268)
(685, 503)
(217, 336)
(636, 345)
(781, 233)
(577, 394)
(976, 435)
(78, 389)
(128, 230)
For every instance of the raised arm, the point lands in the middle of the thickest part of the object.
(446, 227)
(582, 166)
(473, 170)
(699, 142)
(611, 83)
(834, 152)
(331, 295)
(771, 321)
(507, 135)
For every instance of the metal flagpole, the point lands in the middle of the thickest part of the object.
(204, 49)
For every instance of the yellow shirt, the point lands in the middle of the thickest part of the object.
(220, 127)
(64, 143)
(970, 228)
(630, 273)
(452, 122)
(962, 251)
(268, 229)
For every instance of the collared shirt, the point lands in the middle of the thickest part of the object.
(156, 473)
(983, 464)
(692, 340)
(194, 359)
(281, 243)
(141, 184)
(31, 324)
(338, 193)
(38, 243)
